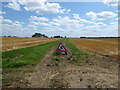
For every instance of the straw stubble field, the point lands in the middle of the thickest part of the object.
(10, 43)
(101, 46)
(77, 69)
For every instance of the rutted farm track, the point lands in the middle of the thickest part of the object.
(62, 71)
(50, 72)
(39, 67)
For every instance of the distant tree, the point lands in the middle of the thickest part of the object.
(39, 35)
(43, 35)
(36, 35)
(82, 37)
(65, 36)
(46, 36)
(57, 37)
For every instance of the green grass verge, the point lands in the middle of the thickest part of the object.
(76, 50)
(78, 56)
(25, 56)
(24, 60)
(17, 63)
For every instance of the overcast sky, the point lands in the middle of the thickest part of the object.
(71, 19)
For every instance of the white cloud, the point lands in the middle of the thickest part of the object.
(100, 24)
(64, 20)
(64, 26)
(1, 12)
(90, 30)
(54, 24)
(1, 17)
(51, 8)
(32, 27)
(113, 23)
(13, 30)
(39, 6)
(35, 18)
(16, 28)
(10, 22)
(43, 24)
(13, 5)
(101, 16)
(116, 19)
(17, 23)
(76, 16)
(33, 23)
(6, 21)
(67, 22)
(111, 2)
(95, 29)
(38, 23)
(32, 5)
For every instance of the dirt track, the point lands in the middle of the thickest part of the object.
(60, 72)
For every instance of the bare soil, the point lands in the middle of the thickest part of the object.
(59, 72)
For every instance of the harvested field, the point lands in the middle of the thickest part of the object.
(10, 43)
(101, 46)
(28, 67)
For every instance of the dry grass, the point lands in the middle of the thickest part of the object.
(10, 43)
(102, 46)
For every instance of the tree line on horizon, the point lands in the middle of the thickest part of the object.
(39, 35)
(44, 36)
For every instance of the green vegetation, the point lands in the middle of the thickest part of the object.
(75, 50)
(39, 35)
(98, 86)
(32, 55)
(25, 56)
(22, 61)
(78, 56)
(56, 61)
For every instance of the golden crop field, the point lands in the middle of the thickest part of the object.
(10, 43)
(102, 46)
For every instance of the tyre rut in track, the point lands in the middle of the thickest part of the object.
(57, 71)
(48, 72)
